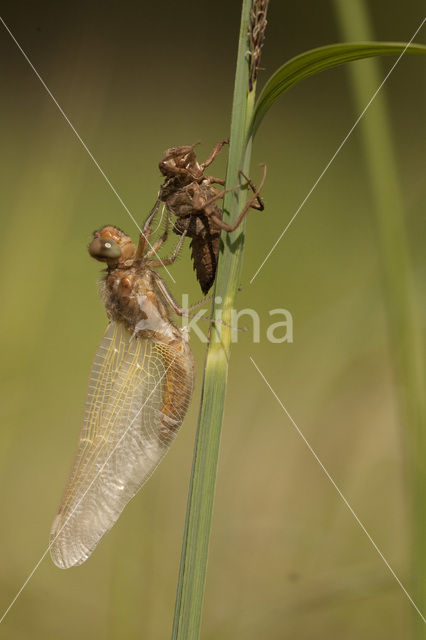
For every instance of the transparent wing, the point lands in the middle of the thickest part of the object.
(138, 394)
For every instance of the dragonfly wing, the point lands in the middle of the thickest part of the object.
(138, 394)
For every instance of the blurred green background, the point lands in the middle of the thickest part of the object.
(287, 559)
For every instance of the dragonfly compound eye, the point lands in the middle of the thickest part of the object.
(104, 249)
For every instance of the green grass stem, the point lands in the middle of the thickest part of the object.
(400, 295)
(189, 600)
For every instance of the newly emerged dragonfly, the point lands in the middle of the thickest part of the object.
(190, 195)
(139, 390)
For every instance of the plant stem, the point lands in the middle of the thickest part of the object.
(189, 600)
(404, 330)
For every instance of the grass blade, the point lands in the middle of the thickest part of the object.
(403, 322)
(192, 571)
(314, 61)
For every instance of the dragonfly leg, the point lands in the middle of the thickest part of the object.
(259, 204)
(172, 302)
(200, 205)
(216, 150)
(161, 240)
(167, 261)
(146, 231)
(212, 180)
(256, 197)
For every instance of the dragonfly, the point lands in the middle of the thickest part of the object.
(190, 195)
(139, 389)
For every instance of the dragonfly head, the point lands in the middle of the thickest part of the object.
(180, 161)
(111, 245)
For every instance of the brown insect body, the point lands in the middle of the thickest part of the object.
(133, 294)
(193, 207)
(189, 194)
(139, 390)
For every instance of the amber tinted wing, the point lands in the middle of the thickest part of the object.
(138, 394)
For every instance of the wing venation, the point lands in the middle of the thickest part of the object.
(138, 394)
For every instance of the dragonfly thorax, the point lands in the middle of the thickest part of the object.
(131, 296)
